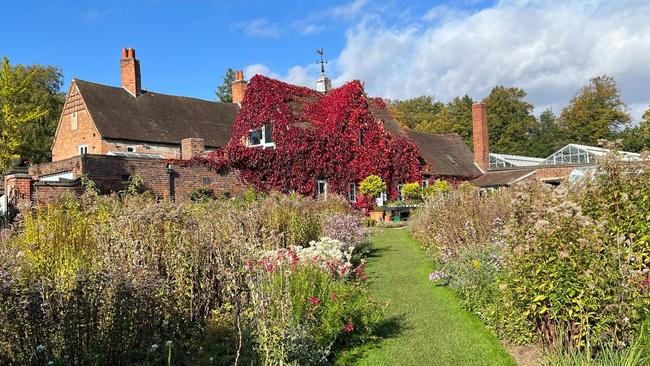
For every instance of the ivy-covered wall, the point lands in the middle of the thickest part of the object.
(316, 136)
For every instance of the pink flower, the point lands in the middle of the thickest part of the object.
(314, 300)
(645, 282)
(269, 267)
(348, 327)
(333, 296)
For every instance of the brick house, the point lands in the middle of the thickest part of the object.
(130, 121)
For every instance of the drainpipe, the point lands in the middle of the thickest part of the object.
(170, 185)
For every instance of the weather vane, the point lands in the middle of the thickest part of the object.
(321, 62)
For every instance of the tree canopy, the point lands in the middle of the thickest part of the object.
(596, 112)
(511, 121)
(224, 91)
(30, 105)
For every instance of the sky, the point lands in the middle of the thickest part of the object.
(399, 49)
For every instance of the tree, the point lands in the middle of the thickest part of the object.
(30, 103)
(224, 91)
(636, 138)
(412, 112)
(544, 138)
(511, 122)
(595, 112)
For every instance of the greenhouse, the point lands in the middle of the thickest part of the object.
(574, 154)
(500, 161)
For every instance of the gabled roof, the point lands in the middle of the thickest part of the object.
(502, 178)
(156, 118)
(445, 154)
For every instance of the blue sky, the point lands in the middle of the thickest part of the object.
(399, 49)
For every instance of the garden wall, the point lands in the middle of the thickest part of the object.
(110, 173)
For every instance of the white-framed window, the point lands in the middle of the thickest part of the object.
(321, 188)
(399, 191)
(262, 136)
(425, 183)
(74, 122)
(83, 149)
(352, 192)
(131, 148)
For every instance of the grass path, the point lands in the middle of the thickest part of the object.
(428, 326)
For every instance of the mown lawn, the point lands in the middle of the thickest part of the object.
(426, 324)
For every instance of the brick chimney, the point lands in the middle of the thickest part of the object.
(130, 71)
(191, 147)
(239, 87)
(480, 135)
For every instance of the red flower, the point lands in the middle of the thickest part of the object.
(314, 300)
(269, 267)
(333, 296)
(348, 327)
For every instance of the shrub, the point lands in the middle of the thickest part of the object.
(372, 186)
(439, 187)
(412, 191)
(202, 194)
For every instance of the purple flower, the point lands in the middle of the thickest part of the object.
(438, 276)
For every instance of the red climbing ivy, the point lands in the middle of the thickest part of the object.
(316, 137)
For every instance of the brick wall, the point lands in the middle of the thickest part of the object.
(74, 164)
(50, 192)
(18, 188)
(557, 172)
(111, 172)
(70, 135)
(191, 147)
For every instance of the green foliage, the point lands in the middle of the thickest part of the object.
(202, 194)
(424, 114)
(511, 120)
(416, 111)
(21, 106)
(372, 186)
(438, 187)
(594, 113)
(545, 139)
(224, 91)
(316, 316)
(412, 191)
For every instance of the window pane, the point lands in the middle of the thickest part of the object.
(255, 137)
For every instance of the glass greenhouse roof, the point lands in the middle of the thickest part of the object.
(574, 154)
(512, 161)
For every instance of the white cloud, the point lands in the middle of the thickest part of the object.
(348, 10)
(260, 28)
(297, 75)
(550, 49)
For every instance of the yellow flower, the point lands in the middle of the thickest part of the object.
(476, 264)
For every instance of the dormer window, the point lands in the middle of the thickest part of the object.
(262, 136)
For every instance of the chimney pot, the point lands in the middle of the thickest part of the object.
(124, 53)
(480, 136)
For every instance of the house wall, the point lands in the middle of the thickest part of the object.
(67, 139)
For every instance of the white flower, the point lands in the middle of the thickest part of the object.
(168, 344)
(40, 348)
(154, 347)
